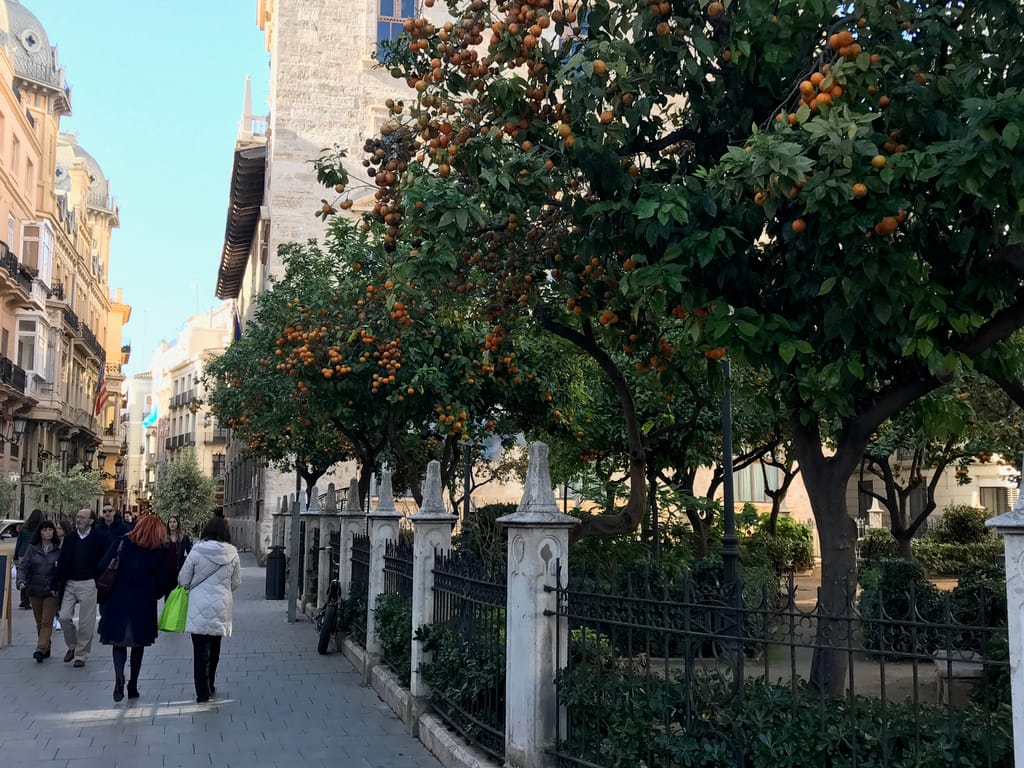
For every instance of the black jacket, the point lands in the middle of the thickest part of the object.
(80, 558)
(38, 570)
(113, 531)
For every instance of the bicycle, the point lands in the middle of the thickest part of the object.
(327, 618)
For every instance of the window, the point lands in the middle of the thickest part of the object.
(749, 483)
(27, 344)
(10, 231)
(391, 15)
(30, 245)
(864, 488)
(5, 342)
(996, 501)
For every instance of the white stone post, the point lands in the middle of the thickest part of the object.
(311, 518)
(351, 521)
(1011, 527)
(538, 543)
(328, 525)
(383, 528)
(432, 532)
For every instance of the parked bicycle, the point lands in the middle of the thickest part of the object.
(326, 618)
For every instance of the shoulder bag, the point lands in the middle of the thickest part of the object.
(175, 610)
(105, 581)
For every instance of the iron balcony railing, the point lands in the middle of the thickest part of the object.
(11, 374)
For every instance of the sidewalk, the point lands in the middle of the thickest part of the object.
(278, 703)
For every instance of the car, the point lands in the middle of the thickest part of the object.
(9, 528)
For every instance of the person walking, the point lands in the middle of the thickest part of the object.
(211, 573)
(37, 575)
(110, 524)
(77, 568)
(21, 545)
(178, 547)
(129, 612)
(64, 527)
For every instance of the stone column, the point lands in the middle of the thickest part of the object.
(432, 532)
(294, 577)
(383, 528)
(351, 522)
(538, 543)
(311, 557)
(1011, 527)
(328, 525)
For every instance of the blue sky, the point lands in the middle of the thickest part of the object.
(156, 97)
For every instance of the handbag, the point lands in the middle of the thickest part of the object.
(172, 617)
(105, 581)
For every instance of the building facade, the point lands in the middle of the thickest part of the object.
(61, 349)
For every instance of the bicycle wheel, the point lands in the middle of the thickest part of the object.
(327, 629)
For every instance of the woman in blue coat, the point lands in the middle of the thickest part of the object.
(129, 613)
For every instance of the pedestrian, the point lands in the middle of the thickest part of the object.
(210, 574)
(77, 569)
(21, 544)
(129, 612)
(128, 517)
(37, 575)
(64, 527)
(110, 524)
(178, 547)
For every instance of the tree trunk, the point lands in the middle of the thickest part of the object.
(825, 479)
(903, 542)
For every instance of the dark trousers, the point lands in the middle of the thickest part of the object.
(205, 656)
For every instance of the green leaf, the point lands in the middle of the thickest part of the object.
(1011, 135)
(827, 286)
(787, 351)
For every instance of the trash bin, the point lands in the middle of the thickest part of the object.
(277, 564)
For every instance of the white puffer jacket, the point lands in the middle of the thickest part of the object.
(210, 574)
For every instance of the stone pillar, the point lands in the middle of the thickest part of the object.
(351, 521)
(432, 532)
(538, 542)
(1011, 527)
(383, 528)
(310, 557)
(328, 525)
(294, 577)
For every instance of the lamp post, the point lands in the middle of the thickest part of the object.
(118, 477)
(730, 542)
(64, 442)
(467, 477)
(90, 452)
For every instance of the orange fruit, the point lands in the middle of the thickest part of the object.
(859, 190)
(799, 225)
(715, 10)
(878, 161)
(715, 354)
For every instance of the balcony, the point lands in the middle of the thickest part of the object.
(17, 270)
(92, 342)
(12, 375)
(57, 291)
(71, 321)
(215, 435)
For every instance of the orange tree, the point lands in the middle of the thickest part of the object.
(259, 402)
(842, 186)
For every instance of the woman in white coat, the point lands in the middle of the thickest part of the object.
(211, 572)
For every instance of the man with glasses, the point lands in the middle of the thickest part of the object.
(80, 556)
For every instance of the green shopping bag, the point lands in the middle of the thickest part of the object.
(172, 617)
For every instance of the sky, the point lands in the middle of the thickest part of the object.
(157, 92)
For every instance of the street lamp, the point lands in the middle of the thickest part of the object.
(102, 460)
(64, 442)
(90, 452)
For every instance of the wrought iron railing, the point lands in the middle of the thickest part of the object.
(360, 586)
(13, 375)
(666, 671)
(467, 639)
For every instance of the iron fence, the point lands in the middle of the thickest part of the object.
(398, 566)
(466, 673)
(666, 672)
(360, 586)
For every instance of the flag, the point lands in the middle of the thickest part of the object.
(236, 328)
(101, 391)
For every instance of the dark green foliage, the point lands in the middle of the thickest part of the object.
(481, 536)
(393, 620)
(622, 719)
(941, 559)
(791, 549)
(878, 544)
(960, 525)
(895, 597)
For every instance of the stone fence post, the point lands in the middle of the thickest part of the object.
(311, 521)
(351, 521)
(328, 525)
(538, 543)
(432, 532)
(383, 528)
(1011, 527)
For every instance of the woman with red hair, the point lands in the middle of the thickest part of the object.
(129, 613)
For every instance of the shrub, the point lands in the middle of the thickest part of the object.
(393, 620)
(896, 598)
(878, 544)
(484, 538)
(941, 559)
(790, 549)
(960, 524)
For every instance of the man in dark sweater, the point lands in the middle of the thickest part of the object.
(110, 524)
(80, 556)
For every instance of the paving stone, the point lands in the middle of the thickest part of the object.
(278, 703)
